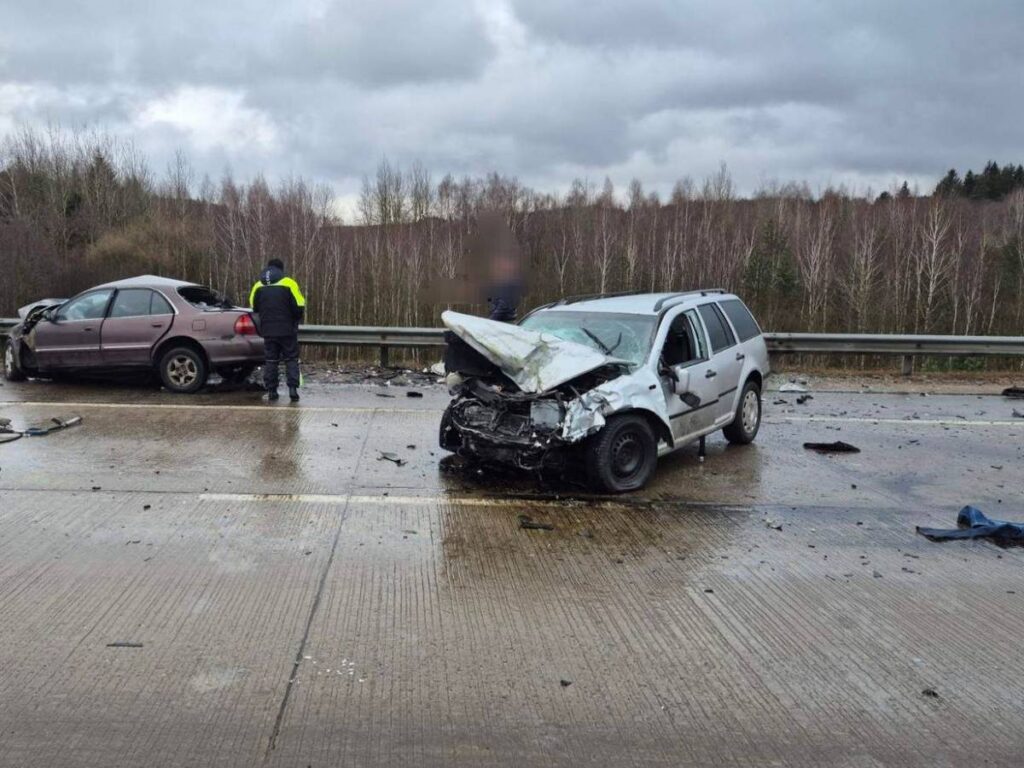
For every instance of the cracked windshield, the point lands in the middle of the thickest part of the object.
(623, 336)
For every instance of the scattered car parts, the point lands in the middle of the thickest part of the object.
(836, 447)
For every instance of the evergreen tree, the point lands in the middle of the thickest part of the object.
(904, 192)
(950, 186)
(970, 183)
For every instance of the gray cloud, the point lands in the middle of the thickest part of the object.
(861, 93)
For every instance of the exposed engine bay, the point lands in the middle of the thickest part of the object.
(492, 419)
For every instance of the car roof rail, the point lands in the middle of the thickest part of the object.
(660, 304)
(593, 296)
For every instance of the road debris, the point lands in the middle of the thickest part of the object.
(803, 399)
(392, 457)
(792, 386)
(53, 425)
(527, 522)
(837, 447)
(1014, 392)
(773, 524)
(124, 644)
(1017, 414)
(8, 434)
(565, 683)
(931, 693)
(413, 393)
(974, 524)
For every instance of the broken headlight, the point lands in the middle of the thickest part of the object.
(546, 414)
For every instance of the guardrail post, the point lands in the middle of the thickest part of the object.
(908, 365)
(383, 356)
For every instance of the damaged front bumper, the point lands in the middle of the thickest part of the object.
(521, 430)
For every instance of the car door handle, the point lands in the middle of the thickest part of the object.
(86, 330)
(740, 356)
(157, 325)
(710, 375)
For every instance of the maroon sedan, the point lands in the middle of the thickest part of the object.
(180, 330)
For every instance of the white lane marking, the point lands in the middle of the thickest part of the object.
(219, 407)
(340, 498)
(381, 499)
(908, 422)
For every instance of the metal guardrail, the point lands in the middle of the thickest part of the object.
(905, 346)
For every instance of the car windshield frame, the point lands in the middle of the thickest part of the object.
(579, 321)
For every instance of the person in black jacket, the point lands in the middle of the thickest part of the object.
(279, 306)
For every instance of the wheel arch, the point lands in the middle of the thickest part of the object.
(661, 430)
(178, 341)
(756, 377)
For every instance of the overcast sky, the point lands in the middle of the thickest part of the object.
(859, 92)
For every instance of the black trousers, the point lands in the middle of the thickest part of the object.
(276, 349)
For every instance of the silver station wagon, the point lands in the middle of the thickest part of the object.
(613, 382)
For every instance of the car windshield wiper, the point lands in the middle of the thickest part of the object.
(607, 350)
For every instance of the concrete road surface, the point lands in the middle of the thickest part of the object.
(208, 581)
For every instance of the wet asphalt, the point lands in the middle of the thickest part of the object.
(214, 581)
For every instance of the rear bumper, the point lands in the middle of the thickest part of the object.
(234, 351)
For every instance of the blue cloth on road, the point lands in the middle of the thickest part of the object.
(975, 525)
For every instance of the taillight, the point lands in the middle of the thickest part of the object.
(244, 326)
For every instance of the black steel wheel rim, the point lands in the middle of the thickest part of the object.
(627, 455)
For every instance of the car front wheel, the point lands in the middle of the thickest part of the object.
(623, 455)
(448, 434)
(12, 371)
(183, 370)
(747, 421)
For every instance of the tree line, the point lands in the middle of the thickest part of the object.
(993, 183)
(77, 209)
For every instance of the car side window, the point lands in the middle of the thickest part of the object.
(718, 330)
(684, 342)
(91, 306)
(132, 302)
(744, 322)
(159, 305)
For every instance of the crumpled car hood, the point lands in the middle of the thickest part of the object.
(23, 311)
(536, 362)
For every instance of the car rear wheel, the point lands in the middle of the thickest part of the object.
(623, 455)
(12, 371)
(747, 421)
(183, 370)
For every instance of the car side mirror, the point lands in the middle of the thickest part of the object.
(681, 380)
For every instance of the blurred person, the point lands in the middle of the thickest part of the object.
(279, 307)
(499, 251)
(492, 272)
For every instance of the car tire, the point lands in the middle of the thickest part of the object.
(12, 371)
(182, 370)
(622, 456)
(747, 421)
(448, 436)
